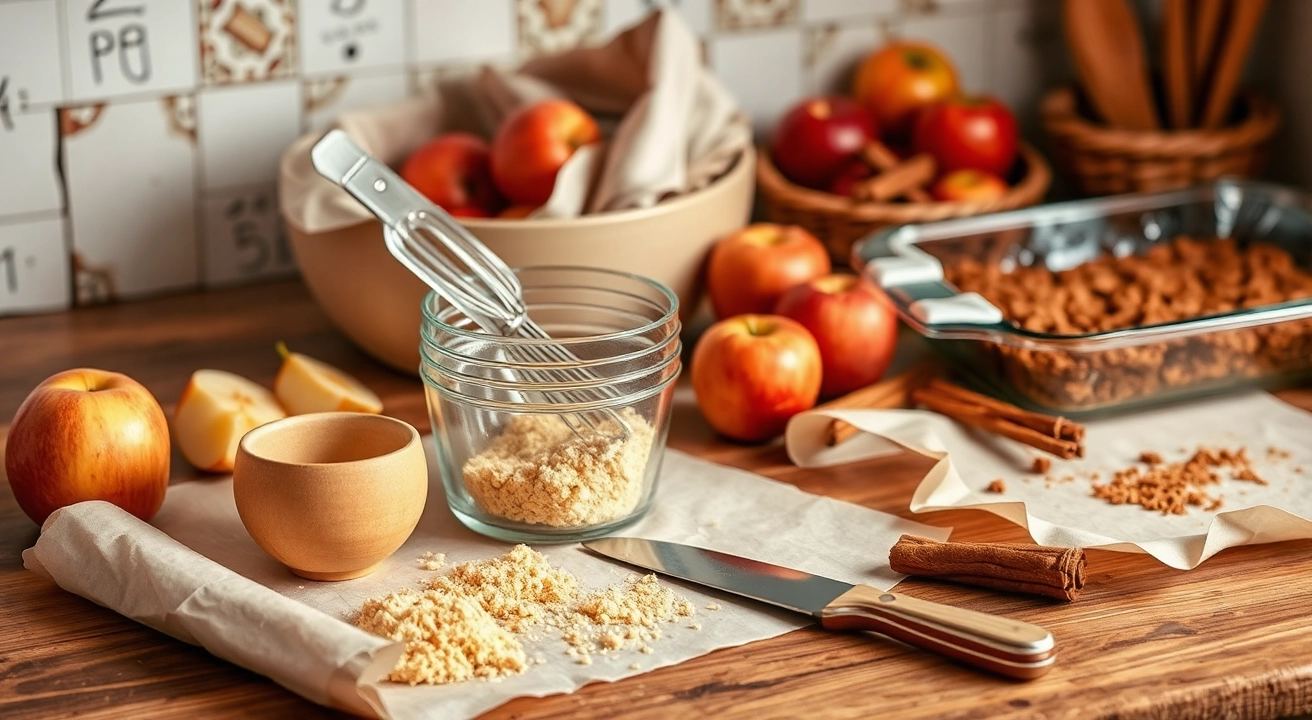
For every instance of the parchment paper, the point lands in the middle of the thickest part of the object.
(1062, 511)
(295, 631)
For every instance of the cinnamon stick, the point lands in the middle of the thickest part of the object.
(897, 180)
(894, 392)
(979, 417)
(877, 155)
(1034, 569)
(1057, 427)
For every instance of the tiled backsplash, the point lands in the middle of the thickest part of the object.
(139, 139)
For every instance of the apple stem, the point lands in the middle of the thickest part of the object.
(281, 347)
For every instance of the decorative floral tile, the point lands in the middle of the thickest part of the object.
(115, 48)
(131, 176)
(244, 41)
(740, 14)
(833, 52)
(550, 26)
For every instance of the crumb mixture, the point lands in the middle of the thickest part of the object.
(538, 471)
(470, 622)
(1171, 488)
(998, 486)
(1040, 465)
(431, 560)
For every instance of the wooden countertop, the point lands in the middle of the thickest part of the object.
(1231, 638)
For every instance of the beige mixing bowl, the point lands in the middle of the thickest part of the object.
(375, 301)
(331, 495)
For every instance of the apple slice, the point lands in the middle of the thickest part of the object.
(217, 408)
(305, 385)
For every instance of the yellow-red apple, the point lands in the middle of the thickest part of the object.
(855, 329)
(752, 268)
(962, 185)
(454, 171)
(216, 409)
(751, 373)
(88, 434)
(305, 385)
(532, 145)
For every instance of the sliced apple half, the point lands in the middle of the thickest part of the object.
(305, 385)
(217, 408)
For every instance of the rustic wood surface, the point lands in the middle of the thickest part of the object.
(1230, 639)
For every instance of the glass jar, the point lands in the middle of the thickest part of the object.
(558, 440)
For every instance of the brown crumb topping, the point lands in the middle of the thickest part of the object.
(1172, 487)
(998, 486)
(1148, 457)
(1040, 465)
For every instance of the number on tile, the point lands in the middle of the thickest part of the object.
(8, 258)
(6, 121)
(128, 42)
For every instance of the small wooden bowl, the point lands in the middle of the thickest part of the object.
(331, 495)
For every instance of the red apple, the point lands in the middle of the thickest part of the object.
(854, 327)
(88, 435)
(852, 173)
(517, 212)
(752, 372)
(817, 137)
(960, 185)
(974, 133)
(532, 145)
(454, 172)
(749, 269)
(898, 80)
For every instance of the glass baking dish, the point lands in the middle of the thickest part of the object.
(1077, 372)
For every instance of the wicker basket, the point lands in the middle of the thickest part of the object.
(839, 222)
(1106, 161)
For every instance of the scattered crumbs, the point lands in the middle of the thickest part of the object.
(1067, 479)
(1298, 469)
(1171, 488)
(469, 622)
(713, 606)
(635, 666)
(1275, 453)
(695, 626)
(431, 560)
(1040, 465)
(1148, 457)
(998, 486)
(1095, 475)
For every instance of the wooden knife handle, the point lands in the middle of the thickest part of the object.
(990, 642)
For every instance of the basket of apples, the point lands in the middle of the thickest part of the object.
(907, 147)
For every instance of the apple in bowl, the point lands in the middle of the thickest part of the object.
(88, 434)
(534, 143)
(454, 171)
(818, 138)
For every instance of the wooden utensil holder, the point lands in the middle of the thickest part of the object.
(1101, 160)
(839, 222)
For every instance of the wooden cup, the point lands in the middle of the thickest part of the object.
(331, 495)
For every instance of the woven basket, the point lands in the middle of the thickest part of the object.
(1100, 160)
(839, 221)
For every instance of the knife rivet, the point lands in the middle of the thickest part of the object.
(380, 185)
(887, 598)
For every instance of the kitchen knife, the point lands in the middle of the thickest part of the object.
(1001, 645)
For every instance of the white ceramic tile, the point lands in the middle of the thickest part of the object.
(132, 196)
(447, 30)
(29, 165)
(244, 130)
(345, 35)
(31, 65)
(698, 14)
(826, 10)
(33, 267)
(247, 40)
(243, 237)
(129, 47)
(326, 98)
(763, 70)
(1028, 56)
(962, 35)
(834, 50)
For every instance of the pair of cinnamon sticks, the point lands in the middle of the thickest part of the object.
(1054, 435)
(894, 177)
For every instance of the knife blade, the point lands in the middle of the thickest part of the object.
(990, 642)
